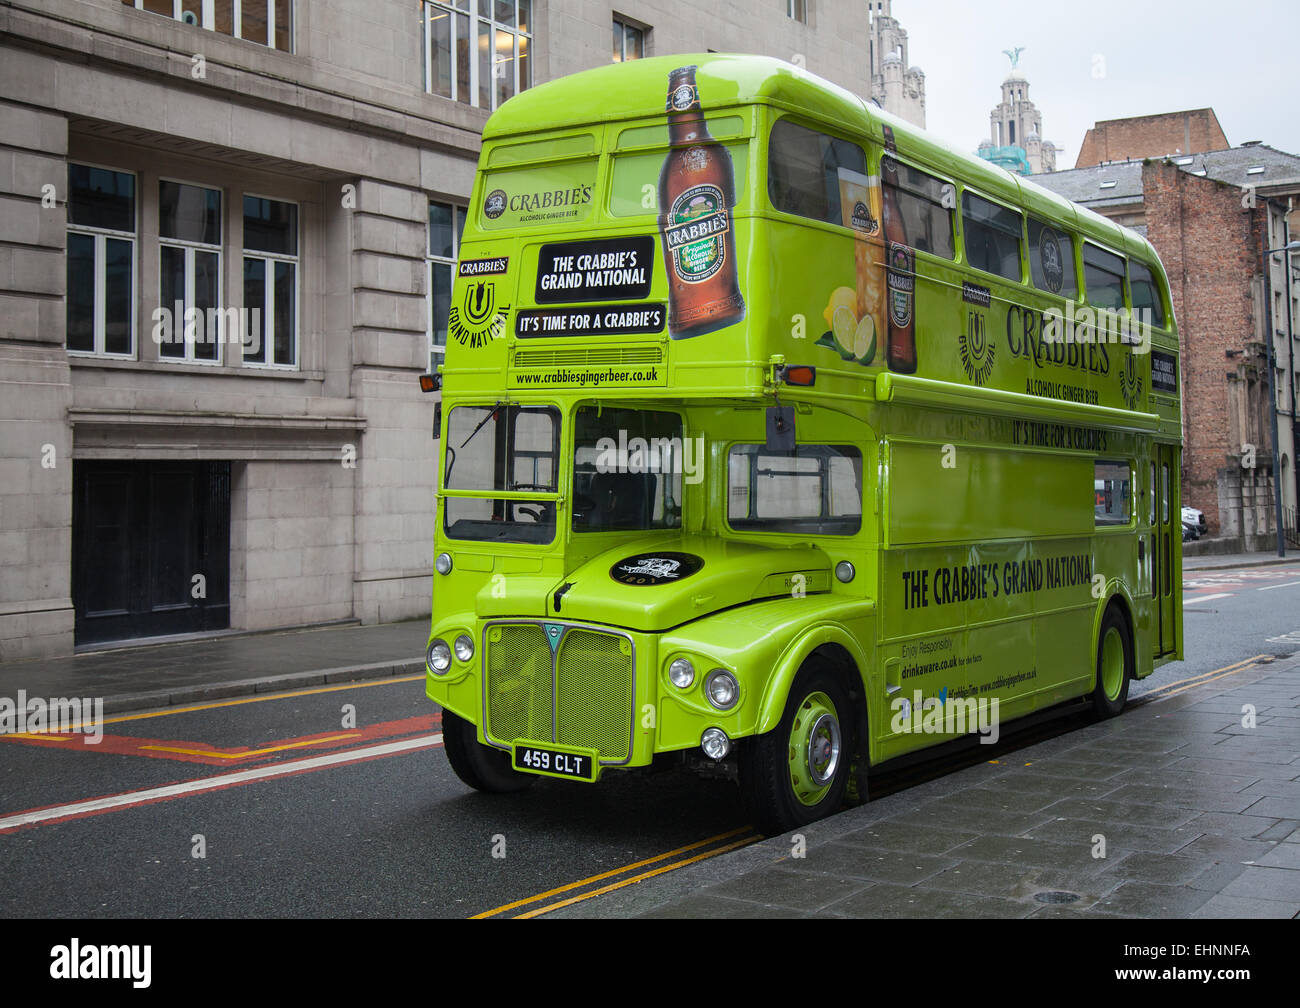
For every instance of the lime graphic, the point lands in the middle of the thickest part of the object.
(841, 297)
(864, 340)
(844, 325)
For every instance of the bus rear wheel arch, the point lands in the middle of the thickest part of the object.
(1115, 662)
(799, 771)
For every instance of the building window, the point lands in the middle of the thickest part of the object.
(446, 222)
(629, 41)
(270, 325)
(101, 261)
(477, 52)
(189, 324)
(266, 22)
(797, 9)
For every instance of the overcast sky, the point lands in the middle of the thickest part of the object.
(1240, 58)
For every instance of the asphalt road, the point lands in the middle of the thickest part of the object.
(301, 808)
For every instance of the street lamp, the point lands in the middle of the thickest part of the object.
(1288, 249)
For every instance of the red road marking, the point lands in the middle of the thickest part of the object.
(133, 745)
(202, 785)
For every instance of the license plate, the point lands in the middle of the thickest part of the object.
(567, 763)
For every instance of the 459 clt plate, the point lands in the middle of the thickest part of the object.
(551, 761)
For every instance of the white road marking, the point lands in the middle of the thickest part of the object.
(1205, 598)
(1289, 584)
(130, 799)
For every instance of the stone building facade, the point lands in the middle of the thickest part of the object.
(171, 460)
(1016, 131)
(896, 85)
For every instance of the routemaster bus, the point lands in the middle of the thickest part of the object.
(780, 439)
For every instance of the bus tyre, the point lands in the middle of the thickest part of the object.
(481, 767)
(1114, 664)
(797, 773)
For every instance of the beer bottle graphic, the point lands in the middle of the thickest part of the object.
(697, 191)
(900, 268)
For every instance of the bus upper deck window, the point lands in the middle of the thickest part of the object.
(1146, 295)
(991, 234)
(1051, 259)
(1103, 277)
(923, 202)
(803, 169)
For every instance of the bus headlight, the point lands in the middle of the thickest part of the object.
(681, 672)
(715, 743)
(438, 657)
(844, 571)
(722, 689)
(464, 648)
(443, 563)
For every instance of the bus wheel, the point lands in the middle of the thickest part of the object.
(797, 773)
(481, 767)
(1114, 664)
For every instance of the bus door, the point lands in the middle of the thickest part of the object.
(1166, 536)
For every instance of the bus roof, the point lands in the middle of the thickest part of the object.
(635, 90)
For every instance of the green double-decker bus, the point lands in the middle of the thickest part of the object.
(779, 439)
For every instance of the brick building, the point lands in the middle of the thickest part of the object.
(1141, 137)
(295, 173)
(1205, 213)
(1211, 248)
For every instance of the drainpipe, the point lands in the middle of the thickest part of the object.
(1272, 378)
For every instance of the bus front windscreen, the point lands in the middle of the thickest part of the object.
(628, 466)
(501, 447)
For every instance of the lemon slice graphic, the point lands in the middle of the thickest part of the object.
(864, 340)
(844, 325)
(841, 297)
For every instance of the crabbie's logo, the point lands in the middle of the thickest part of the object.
(683, 97)
(862, 219)
(495, 204)
(655, 568)
(477, 318)
(483, 267)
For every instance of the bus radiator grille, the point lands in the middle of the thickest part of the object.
(594, 693)
(520, 695)
(583, 695)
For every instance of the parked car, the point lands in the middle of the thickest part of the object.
(1192, 516)
(1190, 531)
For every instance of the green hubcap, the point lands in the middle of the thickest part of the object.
(1112, 664)
(815, 748)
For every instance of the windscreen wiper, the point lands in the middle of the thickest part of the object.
(482, 423)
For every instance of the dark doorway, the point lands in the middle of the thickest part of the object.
(141, 533)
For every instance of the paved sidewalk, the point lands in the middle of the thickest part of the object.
(1200, 818)
(163, 675)
(1230, 561)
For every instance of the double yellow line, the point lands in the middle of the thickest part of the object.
(1182, 685)
(714, 846)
